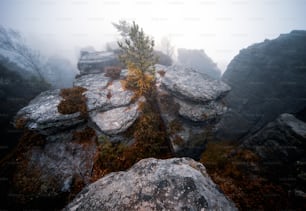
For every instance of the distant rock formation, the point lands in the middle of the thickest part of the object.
(198, 60)
(190, 104)
(151, 184)
(95, 62)
(267, 79)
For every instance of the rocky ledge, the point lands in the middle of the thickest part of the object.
(191, 103)
(151, 184)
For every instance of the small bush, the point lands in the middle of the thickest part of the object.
(73, 101)
(112, 71)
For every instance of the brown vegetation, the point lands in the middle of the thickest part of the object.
(112, 71)
(73, 101)
(237, 172)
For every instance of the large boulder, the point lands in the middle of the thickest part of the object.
(95, 62)
(151, 184)
(198, 60)
(267, 79)
(191, 104)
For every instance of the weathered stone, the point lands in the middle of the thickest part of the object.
(190, 104)
(151, 184)
(116, 120)
(200, 112)
(95, 62)
(53, 168)
(42, 114)
(103, 94)
(186, 83)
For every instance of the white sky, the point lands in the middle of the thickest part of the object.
(220, 27)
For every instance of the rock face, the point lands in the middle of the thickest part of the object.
(198, 60)
(151, 184)
(267, 79)
(190, 104)
(95, 62)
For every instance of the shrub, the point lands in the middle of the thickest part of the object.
(112, 71)
(73, 101)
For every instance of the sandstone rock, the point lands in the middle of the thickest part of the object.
(200, 112)
(190, 104)
(186, 83)
(53, 169)
(116, 120)
(95, 62)
(102, 94)
(151, 184)
(42, 115)
(267, 79)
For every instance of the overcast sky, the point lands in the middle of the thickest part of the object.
(220, 27)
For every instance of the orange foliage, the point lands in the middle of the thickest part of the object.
(73, 101)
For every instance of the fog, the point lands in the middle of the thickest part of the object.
(219, 27)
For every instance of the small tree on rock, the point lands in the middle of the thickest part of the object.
(137, 49)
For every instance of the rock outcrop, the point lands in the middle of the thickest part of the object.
(267, 79)
(281, 146)
(190, 104)
(95, 62)
(282, 140)
(151, 184)
(62, 160)
(198, 60)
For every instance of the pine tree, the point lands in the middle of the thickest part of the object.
(137, 49)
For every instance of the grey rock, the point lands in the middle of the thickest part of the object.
(51, 169)
(103, 94)
(186, 83)
(190, 104)
(95, 62)
(42, 115)
(201, 112)
(282, 140)
(116, 120)
(151, 184)
(267, 79)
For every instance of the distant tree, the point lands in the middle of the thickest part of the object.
(12, 42)
(137, 49)
(167, 47)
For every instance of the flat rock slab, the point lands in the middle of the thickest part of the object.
(42, 115)
(189, 84)
(116, 120)
(151, 184)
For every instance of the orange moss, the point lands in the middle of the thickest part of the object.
(113, 72)
(73, 101)
(20, 123)
(141, 83)
(161, 73)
